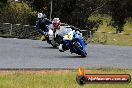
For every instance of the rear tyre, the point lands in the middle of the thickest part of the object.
(51, 42)
(55, 46)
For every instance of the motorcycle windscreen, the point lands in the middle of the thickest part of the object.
(66, 30)
(69, 36)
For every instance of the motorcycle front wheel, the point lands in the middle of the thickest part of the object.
(82, 52)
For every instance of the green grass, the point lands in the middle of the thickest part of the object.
(56, 79)
(128, 28)
(106, 19)
(112, 39)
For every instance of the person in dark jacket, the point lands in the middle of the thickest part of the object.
(41, 23)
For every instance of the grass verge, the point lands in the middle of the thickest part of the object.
(112, 39)
(55, 79)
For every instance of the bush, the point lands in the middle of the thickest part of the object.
(17, 13)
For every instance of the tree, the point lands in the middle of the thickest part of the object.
(2, 3)
(120, 10)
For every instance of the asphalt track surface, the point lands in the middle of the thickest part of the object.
(24, 53)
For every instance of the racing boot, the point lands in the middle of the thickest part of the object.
(43, 38)
(61, 48)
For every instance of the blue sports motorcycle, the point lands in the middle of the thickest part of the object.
(74, 42)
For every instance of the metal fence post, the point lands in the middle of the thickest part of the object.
(51, 10)
(11, 30)
(90, 36)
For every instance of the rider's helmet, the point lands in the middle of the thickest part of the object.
(41, 15)
(56, 23)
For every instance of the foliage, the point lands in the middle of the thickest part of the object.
(120, 10)
(112, 39)
(74, 12)
(2, 3)
(17, 13)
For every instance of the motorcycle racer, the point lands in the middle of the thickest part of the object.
(41, 23)
(62, 29)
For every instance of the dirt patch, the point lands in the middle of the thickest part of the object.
(12, 72)
(5, 72)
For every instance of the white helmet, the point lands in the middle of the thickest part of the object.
(40, 15)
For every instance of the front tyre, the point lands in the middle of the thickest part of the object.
(80, 51)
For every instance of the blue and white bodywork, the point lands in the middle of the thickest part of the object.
(74, 42)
